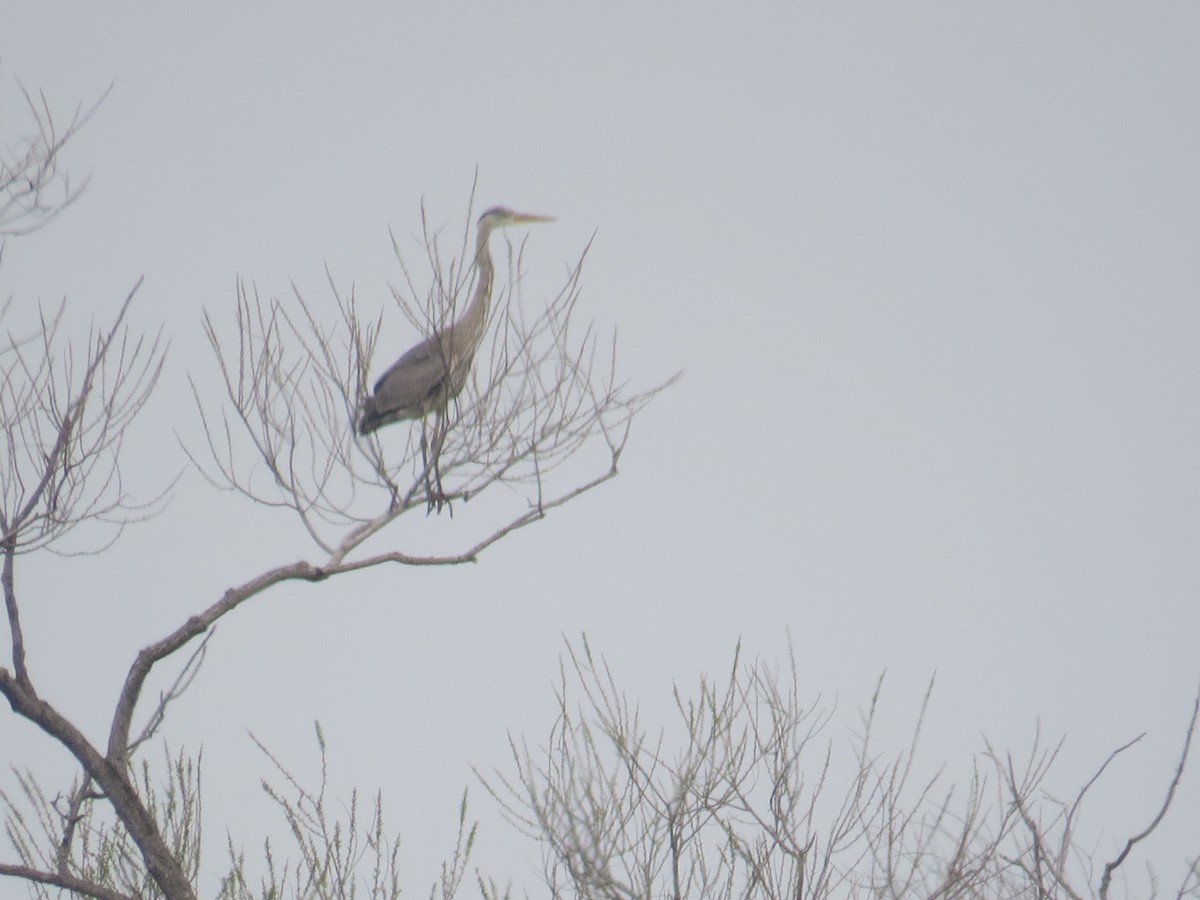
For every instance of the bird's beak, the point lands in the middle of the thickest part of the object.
(530, 217)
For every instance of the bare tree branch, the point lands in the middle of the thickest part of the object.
(33, 186)
(63, 437)
(67, 882)
(113, 779)
(1113, 865)
(65, 430)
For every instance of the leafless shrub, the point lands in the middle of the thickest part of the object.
(756, 802)
(65, 408)
(337, 854)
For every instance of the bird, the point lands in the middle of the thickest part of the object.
(434, 372)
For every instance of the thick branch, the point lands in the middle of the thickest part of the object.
(66, 882)
(14, 615)
(118, 740)
(112, 778)
(118, 745)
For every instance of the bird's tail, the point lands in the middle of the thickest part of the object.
(369, 419)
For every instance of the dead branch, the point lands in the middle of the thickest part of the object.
(65, 424)
(34, 187)
(1113, 865)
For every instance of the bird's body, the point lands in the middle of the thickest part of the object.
(421, 381)
(435, 371)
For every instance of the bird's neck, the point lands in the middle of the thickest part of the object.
(473, 319)
(483, 264)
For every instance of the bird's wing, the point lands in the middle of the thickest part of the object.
(413, 378)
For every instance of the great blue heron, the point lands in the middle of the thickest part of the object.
(432, 373)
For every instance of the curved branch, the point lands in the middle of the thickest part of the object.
(118, 739)
(113, 779)
(148, 657)
(1115, 864)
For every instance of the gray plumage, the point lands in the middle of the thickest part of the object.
(432, 373)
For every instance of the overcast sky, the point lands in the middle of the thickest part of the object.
(932, 273)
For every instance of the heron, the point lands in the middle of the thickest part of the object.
(434, 372)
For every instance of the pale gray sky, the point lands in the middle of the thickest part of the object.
(932, 274)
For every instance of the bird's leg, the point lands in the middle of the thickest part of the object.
(438, 497)
(431, 471)
(425, 463)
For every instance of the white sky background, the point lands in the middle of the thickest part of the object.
(932, 273)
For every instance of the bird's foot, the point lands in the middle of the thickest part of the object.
(436, 501)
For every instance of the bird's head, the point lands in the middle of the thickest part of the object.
(499, 216)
